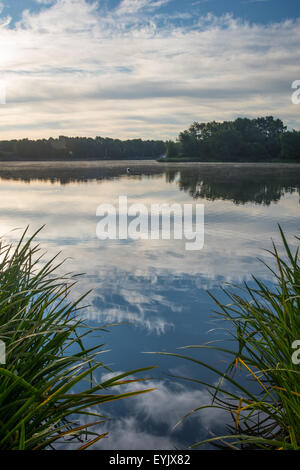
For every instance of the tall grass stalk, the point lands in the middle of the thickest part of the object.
(46, 357)
(264, 323)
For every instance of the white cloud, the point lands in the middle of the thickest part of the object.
(135, 6)
(127, 434)
(169, 403)
(148, 420)
(45, 2)
(142, 319)
(77, 68)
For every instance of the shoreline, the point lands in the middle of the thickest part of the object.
(133, 163)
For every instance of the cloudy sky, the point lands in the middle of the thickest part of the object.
(144, 68)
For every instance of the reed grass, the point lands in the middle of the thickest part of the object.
(46, 356)
(264, 324)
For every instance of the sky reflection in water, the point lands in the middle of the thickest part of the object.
(156, 287)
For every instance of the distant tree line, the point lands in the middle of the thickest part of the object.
(80, 148)
(260, 139)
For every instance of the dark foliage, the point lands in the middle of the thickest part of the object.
(80, 148)
(257, 140)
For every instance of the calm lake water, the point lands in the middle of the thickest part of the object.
(156, 289)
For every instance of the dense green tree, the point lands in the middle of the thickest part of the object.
(290, 145)
(244, 139)
(171, 149)
(80, 148)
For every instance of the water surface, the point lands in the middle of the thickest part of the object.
(156, 289)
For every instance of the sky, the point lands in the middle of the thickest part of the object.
(144, 68)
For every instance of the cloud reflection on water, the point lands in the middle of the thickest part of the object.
(156, 286)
